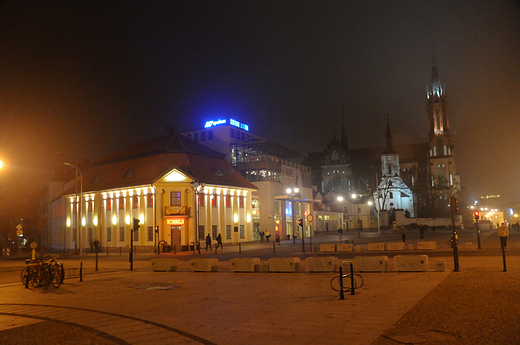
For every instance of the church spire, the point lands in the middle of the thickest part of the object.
(344, 137)
(389, 146)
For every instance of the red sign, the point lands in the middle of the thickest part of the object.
(175, 221)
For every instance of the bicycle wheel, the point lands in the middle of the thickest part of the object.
(56, 276)
(24, 275)
(35, 277)
(334, 284)
(45, 278)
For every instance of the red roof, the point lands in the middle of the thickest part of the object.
(146, 163)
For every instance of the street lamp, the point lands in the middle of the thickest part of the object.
(79, 224)
(354, 196)
(292, 192)
(197, 187)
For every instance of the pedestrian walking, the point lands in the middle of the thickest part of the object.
(262, 236)
(503, 232)
(267, 235)
(340, 231)
(208, 242)
(219, 241)
(403, 232)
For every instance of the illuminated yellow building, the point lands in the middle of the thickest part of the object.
(154, 181)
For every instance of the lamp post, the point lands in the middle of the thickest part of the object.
(80, 222)
(197, 187)
(292, 192)
(354, 196)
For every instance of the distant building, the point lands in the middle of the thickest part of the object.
(273, 168)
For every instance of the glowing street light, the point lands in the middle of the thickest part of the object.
(197, 187)
(79, 223)
(293, 192)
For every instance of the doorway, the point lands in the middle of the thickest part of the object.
(176, 236)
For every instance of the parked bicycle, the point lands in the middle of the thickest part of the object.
(43, 272)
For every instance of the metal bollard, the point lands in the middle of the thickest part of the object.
(216, 247)
(27, 278)
(62, 274)
(81, 271)
(174, 249)
(352, 282)
(96, 261)
(341, 294)
(504, 258)
(239, 248)
(274, 248)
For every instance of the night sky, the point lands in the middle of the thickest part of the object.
(88, 78)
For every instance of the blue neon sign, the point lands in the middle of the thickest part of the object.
(214, 123)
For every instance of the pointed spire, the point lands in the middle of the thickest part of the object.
(344, 137)
(436, 84)
(389, 146)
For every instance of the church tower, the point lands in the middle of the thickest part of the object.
(442, 169)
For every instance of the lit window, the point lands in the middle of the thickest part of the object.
(149, 200)
(135, 201)
(201, 199)
(89, 205)
(241, 201)
(175, 198)
(214, 200)
(121, 202)
(227, 199)
(109, 204)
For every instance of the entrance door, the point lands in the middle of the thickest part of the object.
(176, 236)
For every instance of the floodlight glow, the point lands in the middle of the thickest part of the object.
(114, 220)
(175, 176)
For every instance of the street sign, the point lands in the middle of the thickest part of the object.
(19, 232)
(19, 227)
(309, 218)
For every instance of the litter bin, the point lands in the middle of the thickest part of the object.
(277, 239)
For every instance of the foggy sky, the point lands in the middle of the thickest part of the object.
(87, 78)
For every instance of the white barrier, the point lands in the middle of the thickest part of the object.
(371, 263)
(284, 264)
(164, 265)
(395, 246)
(376, 247)
(204, 265)
(245, 265)
(411, 263)
(426, 245)
(344, 247)
(327, 247)
(322, 264)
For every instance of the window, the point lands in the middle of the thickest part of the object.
(121, 202)
(195, 136)
(136, 235)
(149, 200)
(214, 200)
(175, 198)
(391, 195)
(109, 234)
(135, 201)
(232, 133)
(241, 201)
(122, 234)
(210, 135)
(241, 231)
(75, 207)
(109, 204)
(189, 136)
(89, 205)
(150, 233)
(228, 200)
(201, 199)
(202, 136)
(201, 233)
(228, 232)
(214, 231)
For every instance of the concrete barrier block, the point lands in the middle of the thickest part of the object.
(164, 265)
(284, 264)
(322, 264)
(440, 265)
(371, 263)
(376, 247)
(426, 245)
(204, 265)
(411, 263)
(245, 265)
(395, 246)
(344, 247)
(327, 247)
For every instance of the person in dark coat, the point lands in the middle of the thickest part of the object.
(208, 242)
(219, 241)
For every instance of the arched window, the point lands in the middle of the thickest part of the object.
(441, 171)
